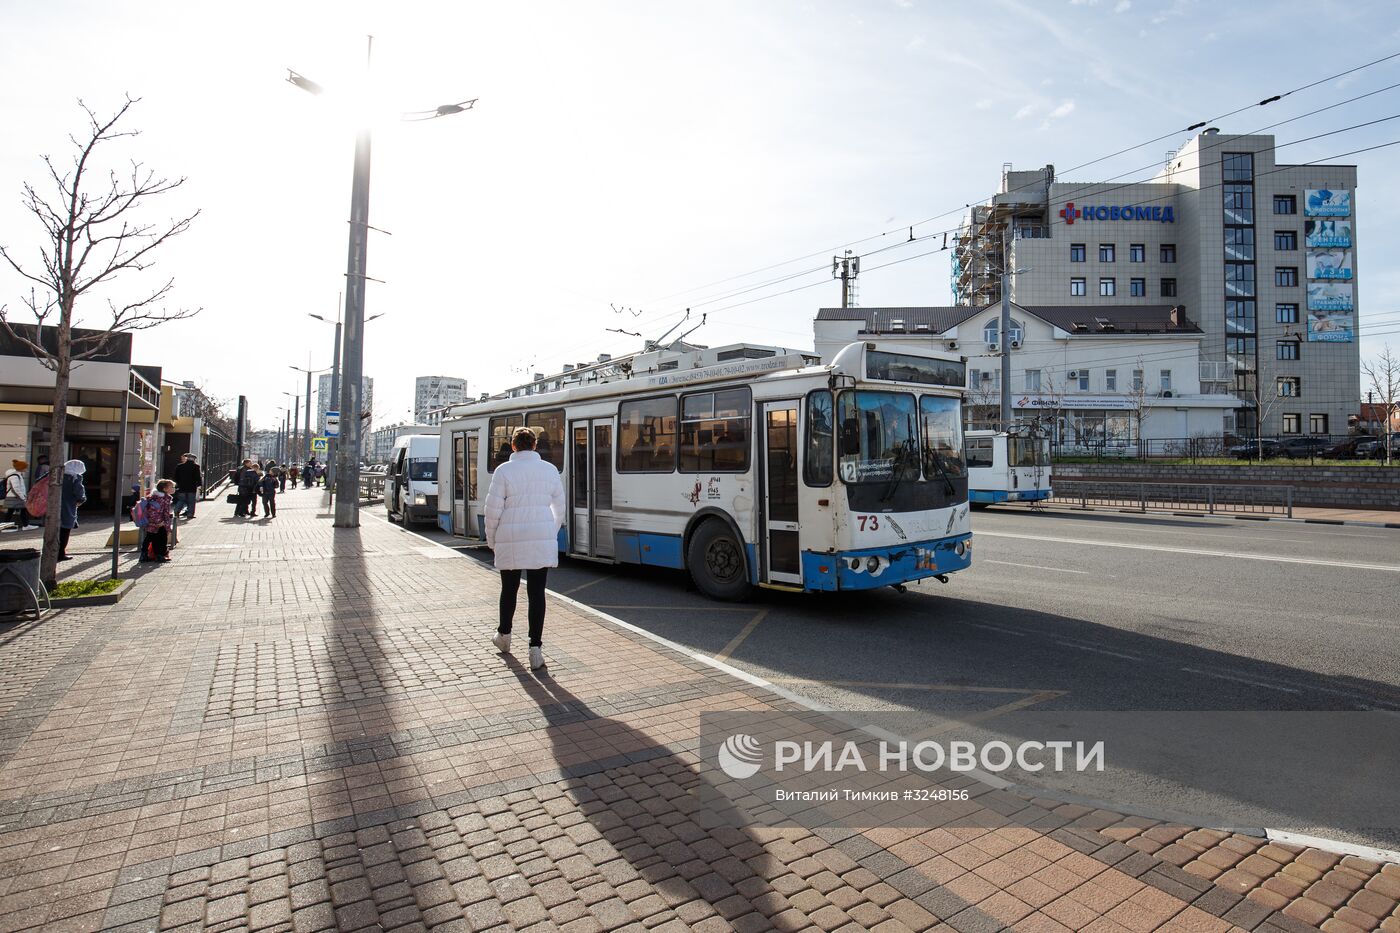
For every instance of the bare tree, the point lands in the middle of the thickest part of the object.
(213, 411)
(1265, 401)
(92, 235)
(1136, 397)
(1383, 375)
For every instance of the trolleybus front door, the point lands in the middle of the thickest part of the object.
(782, 555)
(590, 489)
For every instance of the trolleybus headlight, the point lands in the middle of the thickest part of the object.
(855, 563)
(961, 548)
(872, 564)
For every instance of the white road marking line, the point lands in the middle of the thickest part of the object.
(1240, 680)
(1012, 563)
(1200, 552)
(996, 628)
(1116, 654)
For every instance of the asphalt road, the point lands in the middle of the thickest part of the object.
(1066, 612)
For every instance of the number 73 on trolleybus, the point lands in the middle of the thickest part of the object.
(743, 465)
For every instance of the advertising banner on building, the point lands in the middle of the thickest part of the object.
(1331, 326)
(1325, 202)
(1330, 296)
(1327, 234)
(1098, 402)
(1330, 264)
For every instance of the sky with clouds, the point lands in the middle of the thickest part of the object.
(629, 160)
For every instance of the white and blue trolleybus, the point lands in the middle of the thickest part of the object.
(1004, 467)
(743, 465)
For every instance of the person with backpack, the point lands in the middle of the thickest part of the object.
(74, 495)
(309, 472)
(246, 479)
(17, 494)
(268, 488)
(158, 512)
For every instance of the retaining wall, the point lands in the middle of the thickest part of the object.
(1320, 486)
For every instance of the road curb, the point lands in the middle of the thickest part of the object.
(1218, 516)
(1334, 846)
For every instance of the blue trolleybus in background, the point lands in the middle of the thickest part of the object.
(744, 465)
(1004, 467)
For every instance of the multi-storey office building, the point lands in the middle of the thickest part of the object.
(1260, 255)
(325, 403)
(431, 394)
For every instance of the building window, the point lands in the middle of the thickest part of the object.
(1137, 288)
(1076, 287)
(1292, 423)
(1032, 380)
(1238, 201)
(1107, 288)
(1239, 243)
(1289, 350)
(1105, 252)
(1289, 386)
(1317, 424)
(1169, 288)
(1239, 315)
(1137, 252)
(1168, 252)
(1237, 166)
(1285, 240)
(993, 329)
(1082, 377)
(1137, 380)
(1285, 204)
(1286, 276)
(1165, 379)
(1110, 380)
(1239, 278)
(1286, 313)
(1077, 252)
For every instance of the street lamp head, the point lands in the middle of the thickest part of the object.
(375, 316)
(318, 317)
(445, 110)
(303, 82)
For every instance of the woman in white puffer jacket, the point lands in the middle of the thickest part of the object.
(524, 512)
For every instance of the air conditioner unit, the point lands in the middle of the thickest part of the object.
(1166, 393)
(1015, 344)
(952, 344)
(993, 346)
(1072, 374)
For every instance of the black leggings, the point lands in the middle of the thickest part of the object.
(534, 592)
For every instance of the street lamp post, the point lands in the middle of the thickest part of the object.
(306, 436)
(292, 427)
(347, 469)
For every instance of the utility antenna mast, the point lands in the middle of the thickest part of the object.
(846, 268)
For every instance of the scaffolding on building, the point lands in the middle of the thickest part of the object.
(1018, 211)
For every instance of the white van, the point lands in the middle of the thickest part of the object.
(411, 486)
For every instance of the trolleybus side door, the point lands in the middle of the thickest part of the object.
(590, 488)
(782, 561)
(465, 447)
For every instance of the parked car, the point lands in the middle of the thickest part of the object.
(1296, 447)
(1345, 449)
(1251, 449)
(1374, 449)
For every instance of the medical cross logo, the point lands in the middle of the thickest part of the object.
(1069, 213)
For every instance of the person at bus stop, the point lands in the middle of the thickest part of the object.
(268, 488)
(160, 512)
(294, 473)
(74, 495)
(308, 472)
(188, 479)
(524, 512)
(245, 479)
(16, 492)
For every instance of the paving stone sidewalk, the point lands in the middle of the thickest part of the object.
(294, 727)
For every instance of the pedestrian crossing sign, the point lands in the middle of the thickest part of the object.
(320, 445)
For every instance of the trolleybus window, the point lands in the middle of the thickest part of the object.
(879, 437)
(979, 451)
(715, 431)
(548, 426)
(901, 367)
(821, 440)
(942, 437)
(1027, 451)
(646, 435)
(501, 430)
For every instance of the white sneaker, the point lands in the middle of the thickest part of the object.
(502, 643)
(536, 658)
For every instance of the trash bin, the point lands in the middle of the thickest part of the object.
(19, 580)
